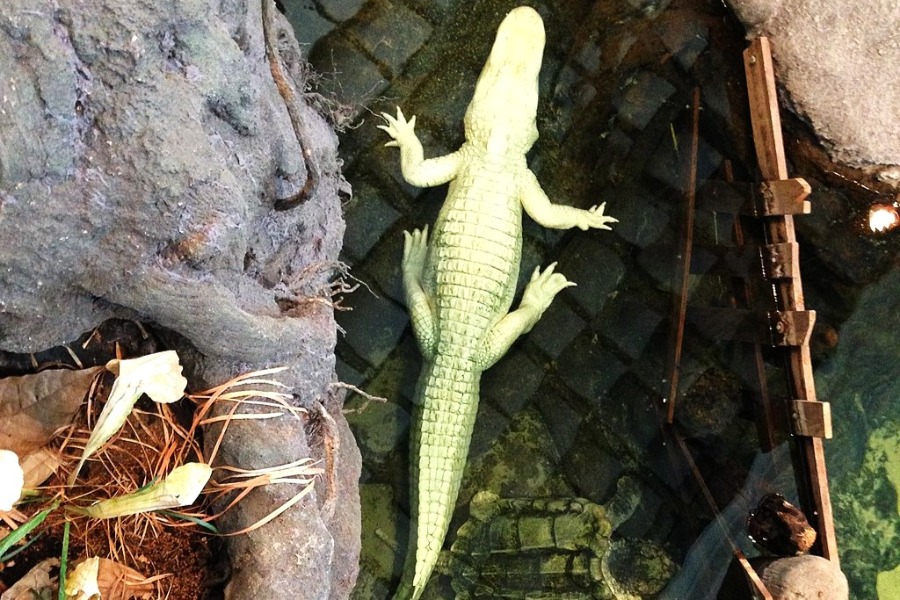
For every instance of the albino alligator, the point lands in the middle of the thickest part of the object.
(460, 288)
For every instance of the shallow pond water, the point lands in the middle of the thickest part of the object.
(577, 405)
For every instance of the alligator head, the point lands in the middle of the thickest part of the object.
(500, 119)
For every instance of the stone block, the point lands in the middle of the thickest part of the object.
(377, 516)
(443, 98)
(629, 323)
(521, 462)
(368, 216)
(592, 469)
(668, 166)
(489, 424)
(561, 418)
(595, 268)
(510, 383)
(340, 10)
(557, 328)
(373, 325)
(348, 374)
(397, 376)
(379, 428)
(390, 32)
(337, 59)
(643, 215)
(382, 267)
(643, 99)
(588, 368)
(309, 26)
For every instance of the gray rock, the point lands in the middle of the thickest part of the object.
(805, 577)
(142, 151)
(838, 62)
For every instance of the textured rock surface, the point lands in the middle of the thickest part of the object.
(805, 577)
(142, 148)
(838, 62)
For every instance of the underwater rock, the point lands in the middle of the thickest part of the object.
(805, 577)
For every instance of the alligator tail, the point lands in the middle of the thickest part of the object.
(439, 444)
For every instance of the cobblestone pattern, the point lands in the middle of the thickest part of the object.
(614, 124)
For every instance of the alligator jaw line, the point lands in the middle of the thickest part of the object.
(460, 284)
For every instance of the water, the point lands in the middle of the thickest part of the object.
(576, 404)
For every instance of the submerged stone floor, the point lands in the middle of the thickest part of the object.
(574, 405)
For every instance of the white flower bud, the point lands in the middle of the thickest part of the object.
(157, 375)
(180, 488)
(11, 479)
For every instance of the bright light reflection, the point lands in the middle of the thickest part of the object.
(883, 217)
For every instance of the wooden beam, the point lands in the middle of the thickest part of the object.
(808, 452)
(683, 273)
(757, 587)
(764, 116)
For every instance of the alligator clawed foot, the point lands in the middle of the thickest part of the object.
(595, 219)
(398, 128)
(415, 249)
(543, 287)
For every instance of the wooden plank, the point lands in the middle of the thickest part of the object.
(684, 273)
(811, 419)
(757, 587)
(811, 474)
(764, 116)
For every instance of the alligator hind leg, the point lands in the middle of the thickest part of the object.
(415, 249)
(538, 295)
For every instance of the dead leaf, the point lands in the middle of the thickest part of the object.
(33, 407)
(37, 583)
(118, 582)
(38, 466)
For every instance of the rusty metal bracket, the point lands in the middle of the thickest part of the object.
(780, 261)
(810, 418)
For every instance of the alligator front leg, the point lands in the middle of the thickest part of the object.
(558, 216)
(415, 250)
(538, 295)
(416, 169)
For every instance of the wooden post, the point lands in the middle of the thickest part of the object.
(808, 452)
(681, 286)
